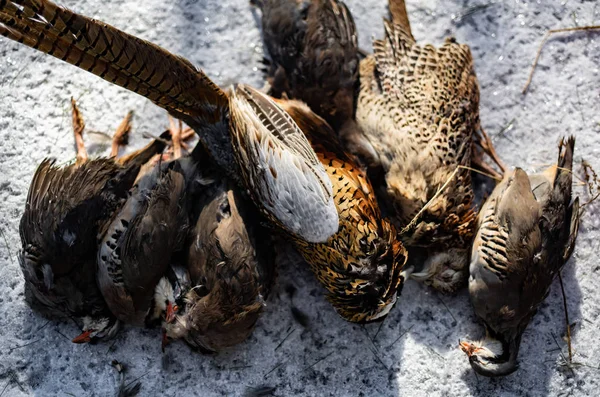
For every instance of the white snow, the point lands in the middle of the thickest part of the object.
(415, 353)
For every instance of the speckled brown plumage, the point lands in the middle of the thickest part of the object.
(230, 263)
(361, 265)
(419, 108)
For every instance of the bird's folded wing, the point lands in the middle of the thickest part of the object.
(284, 175)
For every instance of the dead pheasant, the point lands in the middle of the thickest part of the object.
(260, 146)
(419, 109)
(361, 265)
(298, 198)
(313, 49)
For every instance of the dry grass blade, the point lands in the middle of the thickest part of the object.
(415, 219)
(590, 178)
(401, 335)
(318, 361)
(274, 368)
(484, 141)
(6, 386)
(470, 11)
(546, 37)
(284, 339)
(562, 288)
(568, 364)
(7, 246)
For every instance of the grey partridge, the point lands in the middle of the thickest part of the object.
(66, 208)
(526, 232)
(230, 265)
(138, 244)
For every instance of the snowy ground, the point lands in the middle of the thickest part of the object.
(415, 352)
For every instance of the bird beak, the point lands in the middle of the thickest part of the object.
(83, 338)
(466, 347)
(165, 340)
(171, 310)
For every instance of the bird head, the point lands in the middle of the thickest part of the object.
(212, 320)
(368, 290)
(95, 329)
(493, 357)
(165, 305)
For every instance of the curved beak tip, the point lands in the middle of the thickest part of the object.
(83, 338)
(171, 310)
(466, 347)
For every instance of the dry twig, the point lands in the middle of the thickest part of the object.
(546, 37)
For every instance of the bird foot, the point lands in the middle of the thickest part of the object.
(121, 135)
(446, 272)
(482, 144)
(179, 137)
(78, 127)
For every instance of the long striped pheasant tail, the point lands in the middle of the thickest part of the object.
(170, 81)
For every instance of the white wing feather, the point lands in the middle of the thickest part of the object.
(282, 171)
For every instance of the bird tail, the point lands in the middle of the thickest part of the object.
(563, 191)
(170, 81)
(565, 154)
(399, 15)
(564, 166)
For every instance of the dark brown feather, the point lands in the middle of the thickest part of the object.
(313, 48)
(137, 246)
(66, 208)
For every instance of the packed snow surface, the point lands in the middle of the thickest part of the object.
(414, 352)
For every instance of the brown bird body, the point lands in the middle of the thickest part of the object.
(231, 269)
(419, 109)
(314, 55)
(136, 250)
(361, 265)
(313, 46)
(65, 211)
(526, 233)
(187, 93)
